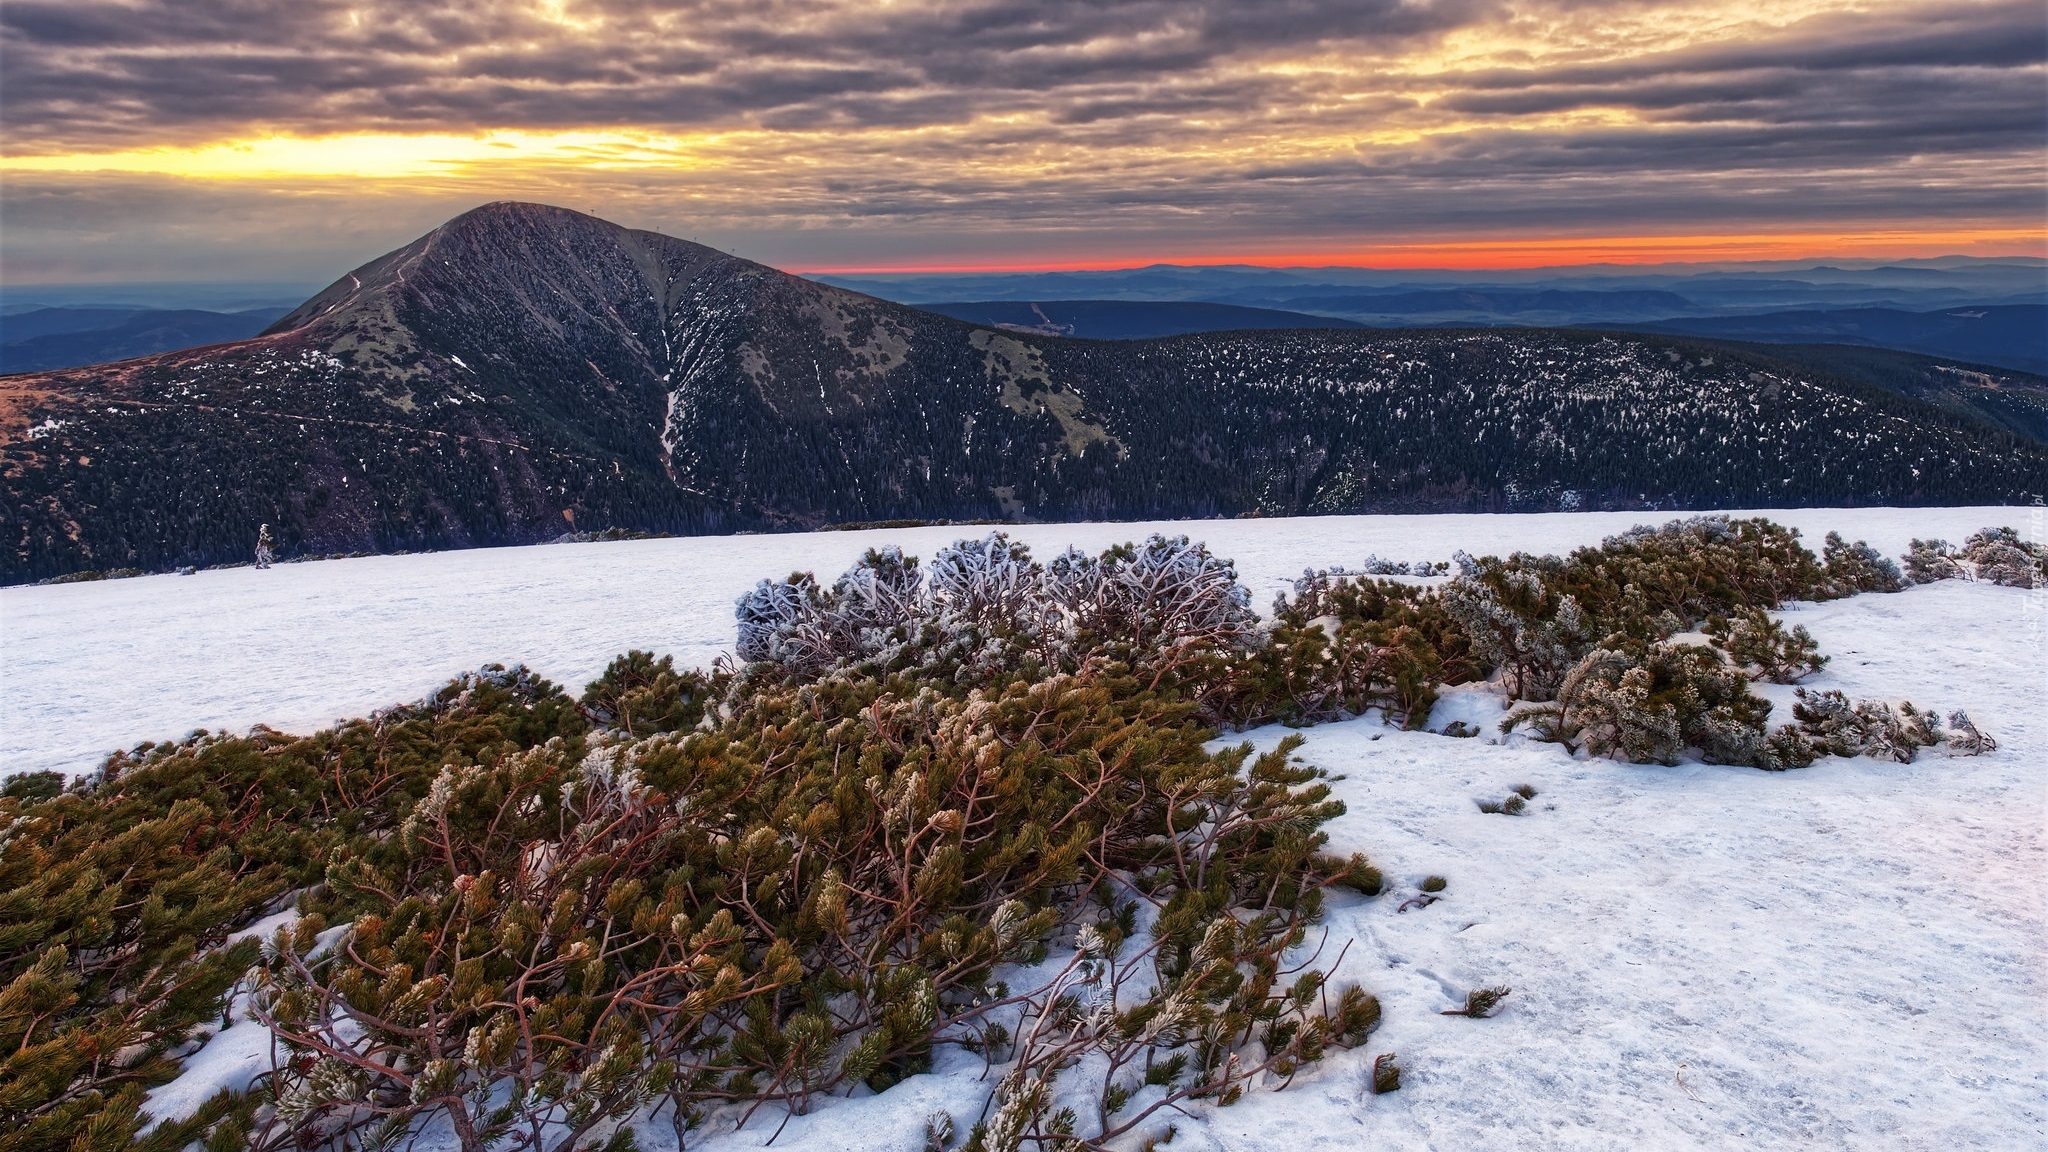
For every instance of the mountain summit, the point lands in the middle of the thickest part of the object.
(523, 371)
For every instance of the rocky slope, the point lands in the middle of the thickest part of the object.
(523, 371)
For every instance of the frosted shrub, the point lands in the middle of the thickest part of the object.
(1865, 728)
(1853, 568)
(1167, 595)
(1649, 704)
(986, 609)
(1999, 556)
(1756, 642)
(1930, 560)
(880, 594)
(1965, 738)
(781, 621)
(991, 584)
(1518, 623)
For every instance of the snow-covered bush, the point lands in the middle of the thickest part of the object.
(2000, 556)
(1865, 728)
(1965, 738)
(1168, 596)
(1519, 622)
(986, 610)
(782, 621)
(1755, 641)
(1930, 560)
(1853, 568)
(1648, 704)
(1995, 555)
(1375, 566)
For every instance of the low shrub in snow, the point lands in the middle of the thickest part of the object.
(812, 895)
(1995, 555)
(1965, 738)
(1480, 1003)
(1531, 619)
(1648, 703)
(1853, 568)
(118, 896)
(1386, 1074)
(1341, 646)
(1930, 560)
(1756, 642)
(1873, 728)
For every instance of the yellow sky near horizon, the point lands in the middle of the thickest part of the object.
(840, 134)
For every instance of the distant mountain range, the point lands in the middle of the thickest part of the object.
(524, 371)
(1984, 311)
(2005, 335)
(1128, 319)
(47, 338)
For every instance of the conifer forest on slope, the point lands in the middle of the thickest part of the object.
(523, 372)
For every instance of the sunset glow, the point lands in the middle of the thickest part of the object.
(1003, 135)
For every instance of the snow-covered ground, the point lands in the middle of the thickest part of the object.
(86, 669)
(1852, 955)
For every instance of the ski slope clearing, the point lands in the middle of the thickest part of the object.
(86, 669)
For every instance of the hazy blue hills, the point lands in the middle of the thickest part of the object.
(2008, 336)
(1532, 306)
(50, 338)
(1903, 304)
(1127, 319)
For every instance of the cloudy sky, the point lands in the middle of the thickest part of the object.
(289, 139)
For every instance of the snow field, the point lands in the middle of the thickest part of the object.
(86, 669)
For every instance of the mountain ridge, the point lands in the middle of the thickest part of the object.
(524, 371)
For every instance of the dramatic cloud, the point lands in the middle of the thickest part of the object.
(1022, 131)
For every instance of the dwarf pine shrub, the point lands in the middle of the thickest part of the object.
(528, 917)
(1341, 646)
(2000, 556)
(1927, 561)
(1996, 555)
(1853, 568)
(1758, 643)
(1480, 1003)
(1386, 1074)
(1965, 738)
(117, 895)
(1872, 728)
(813, 895)
(1648, 703)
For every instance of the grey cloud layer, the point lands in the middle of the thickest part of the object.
(80, 71)
(1064, 119)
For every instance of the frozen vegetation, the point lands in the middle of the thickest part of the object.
(1508, 877)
